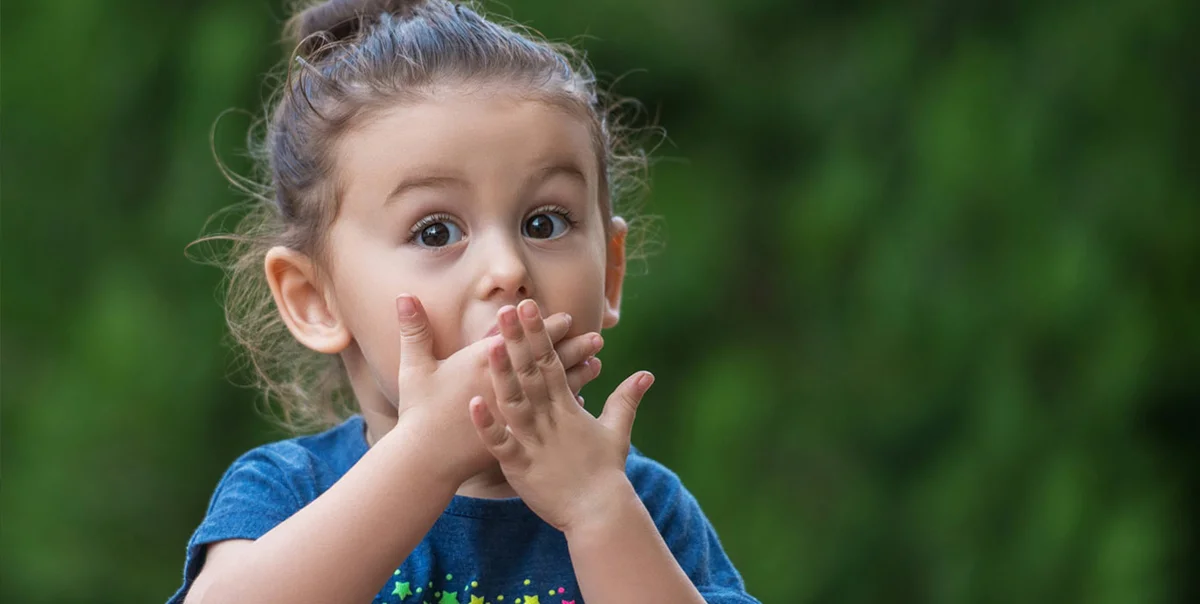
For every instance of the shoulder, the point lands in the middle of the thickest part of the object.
(659, 488)
(649, 474)
(338, 447)
(296, 470)
(685, 530)
(269, 483)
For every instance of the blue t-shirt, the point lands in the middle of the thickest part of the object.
(489, 551)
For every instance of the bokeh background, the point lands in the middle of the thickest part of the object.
(924, 312)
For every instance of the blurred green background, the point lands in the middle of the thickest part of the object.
(924, 320)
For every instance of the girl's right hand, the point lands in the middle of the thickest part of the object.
(436, 392)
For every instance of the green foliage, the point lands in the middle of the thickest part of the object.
(921, 323)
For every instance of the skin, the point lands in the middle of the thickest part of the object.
(411, 322)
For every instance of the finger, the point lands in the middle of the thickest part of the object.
(557, 325)
(579, 375)
(511, 402)
(554, 374)
(621, 407)
(578, 349)
(492, 430)
(519, 352)
(416, 337)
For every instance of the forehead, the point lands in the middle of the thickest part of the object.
(473, 137)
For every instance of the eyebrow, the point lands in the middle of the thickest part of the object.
(424, 182)
(441, 181)
(568, 169)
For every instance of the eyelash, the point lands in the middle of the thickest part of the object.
(426, 221)
(555, 209)
(443, 217)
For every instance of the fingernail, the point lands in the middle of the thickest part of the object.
(498, 348)
(528, 309)
(406, 306)
(580, 399)
(508, 317)
(597, 342)
(646, 380)
(568, 318)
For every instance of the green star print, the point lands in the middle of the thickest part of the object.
(402, 590)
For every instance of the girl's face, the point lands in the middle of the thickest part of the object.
(469, 203)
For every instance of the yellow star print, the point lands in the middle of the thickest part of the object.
(531, 600)
(476, 600)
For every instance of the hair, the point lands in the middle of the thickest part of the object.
(351, 60)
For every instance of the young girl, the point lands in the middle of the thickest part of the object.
(439, 237)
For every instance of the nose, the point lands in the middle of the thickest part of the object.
(505, 270)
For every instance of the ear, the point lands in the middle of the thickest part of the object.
(302, 303)
(614, 272)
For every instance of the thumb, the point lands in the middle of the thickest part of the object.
(416, 338)
(621, 406)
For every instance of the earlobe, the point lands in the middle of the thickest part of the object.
(614, 272)
(301, 302)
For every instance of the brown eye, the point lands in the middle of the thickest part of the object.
(438, 234)
(545, 226)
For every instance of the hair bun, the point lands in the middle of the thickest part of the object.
(339, 20)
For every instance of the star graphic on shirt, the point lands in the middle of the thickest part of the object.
(568, 602)
(449, 597)
(476, 600)
(531, 600)
(402, 590)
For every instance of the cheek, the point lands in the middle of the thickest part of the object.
(444, 321)
(366, 291)
(579, 292)
(375, 326)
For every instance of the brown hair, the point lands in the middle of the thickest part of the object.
(351, 60)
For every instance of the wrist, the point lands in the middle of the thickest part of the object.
(423, 435)
(610, 503)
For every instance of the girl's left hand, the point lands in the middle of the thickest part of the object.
(563, 462)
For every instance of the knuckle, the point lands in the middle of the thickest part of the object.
(627, 399)
(548, 359)
(498, 434)
(500, 442)
(415, 333)
(508, 450)
(529, 370)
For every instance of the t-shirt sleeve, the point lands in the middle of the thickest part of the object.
(256, 494)
(688, 533)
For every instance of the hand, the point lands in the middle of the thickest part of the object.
(436, 388)
(563, 462)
